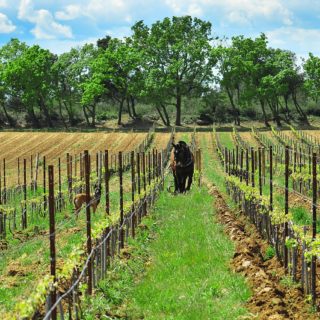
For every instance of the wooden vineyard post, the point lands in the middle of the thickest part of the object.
(233, 163)
(247, 167)
(71, 175)
(255, 160)
(121, 200)
(144, 182)
(0, 187)
(31, 171)
(24, 214)
(237, 161)
(138, 172)
(226, 160)
(144, 171)
(68, 176)
(81, 171)
(132, 193)
(97, 164)
(286, 207)
(263, 166)
(18, 171)
(271, 177)
(229, 163)
(153, 163)
(260, 171)
(241, 165)
(76, 167)
(4, 182)
(59, 183)
(44, 183)
(314, 227)
(252, 167)
(107, 179)
(149, 168)
(88, 216)
(52, 239)
(309, 160)
(35, 186)
(107, 196)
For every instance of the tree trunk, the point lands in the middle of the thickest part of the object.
(93, 115)
(34, 119)
(70, 113)
(299, 109)
(10, 120)
(45, 110)
(120, 111)
(264, 113)
(275, 114)
(235, 109)
(161, 116)
(61, 115)
(178, 108)
(166, 114)
(287, 108)
(129, 109)
(86, 115)
(133, 105)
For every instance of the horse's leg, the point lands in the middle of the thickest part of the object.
(189, 182)
(180, 183)
(184, 180)
(190, 176)
(175, 183)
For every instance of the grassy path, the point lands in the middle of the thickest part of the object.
(186, 274)
(189, 277)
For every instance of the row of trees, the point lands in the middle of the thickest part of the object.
(162, 66)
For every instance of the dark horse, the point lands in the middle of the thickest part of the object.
(182, 165)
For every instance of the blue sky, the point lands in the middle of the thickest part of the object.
(59, 25)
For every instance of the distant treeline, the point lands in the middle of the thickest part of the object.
(163, 67)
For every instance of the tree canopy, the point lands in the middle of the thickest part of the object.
(172, 67)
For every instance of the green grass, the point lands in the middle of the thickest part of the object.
(189, 277)
(32, 256)
(226, 140)
(187, 274)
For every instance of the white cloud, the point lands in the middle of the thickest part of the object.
(6, 26)
(301, 41)
(45, 25)
(106, 10)
(71, 12)
(237, 11)
(3, 3)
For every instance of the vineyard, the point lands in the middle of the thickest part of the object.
(26, 180)
(50, 259)
(273, 177)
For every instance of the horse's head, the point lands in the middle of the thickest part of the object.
(181, 152)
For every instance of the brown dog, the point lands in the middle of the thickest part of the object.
(94, 200)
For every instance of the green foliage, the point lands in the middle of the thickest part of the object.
(165, 65)
(288, 282)
(270, 253)
(177, 59)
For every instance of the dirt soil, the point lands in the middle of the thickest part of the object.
(270, 299)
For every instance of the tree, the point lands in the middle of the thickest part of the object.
(312, 72)
(115, 71)
(177, 60)
(8, 53)
(240, 68)
(29, 77)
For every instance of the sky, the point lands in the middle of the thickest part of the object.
(59, 25)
